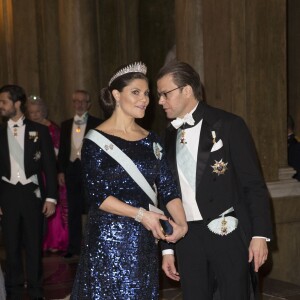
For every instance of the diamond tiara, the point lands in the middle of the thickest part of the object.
(137, 67)
(34, 98)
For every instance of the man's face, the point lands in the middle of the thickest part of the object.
(81, 103)
(171, 97)
(8, 108)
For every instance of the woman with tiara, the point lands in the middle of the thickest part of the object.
(123, 164)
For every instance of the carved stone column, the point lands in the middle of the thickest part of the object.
(49, 63)
(189, 34)
(6, 37)
(119, 35)
(19, 44)
(293, 39)
(78, 50)
(245, 70)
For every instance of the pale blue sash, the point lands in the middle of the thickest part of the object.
(15, 149)
(128, 165)
(186, 162)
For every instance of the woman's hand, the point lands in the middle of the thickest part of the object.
(179, 224)
(179, 231)
(150, 221)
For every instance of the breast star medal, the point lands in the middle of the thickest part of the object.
(219, 167)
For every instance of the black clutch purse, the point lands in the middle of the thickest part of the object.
(165, 224)
(167, 227)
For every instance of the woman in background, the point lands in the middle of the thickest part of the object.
(56, 236)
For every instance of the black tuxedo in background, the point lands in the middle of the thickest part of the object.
(242, 186)
(22, 220)
(75, 191)
(294, 155)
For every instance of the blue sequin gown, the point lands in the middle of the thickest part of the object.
(119, 258)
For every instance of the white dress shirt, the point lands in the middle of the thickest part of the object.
(17, 173)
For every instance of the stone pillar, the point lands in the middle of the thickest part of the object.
(156, 47)
(118, 32)
(7, 73)
(50, 67)
(19, 44)
(189, 34)
(293, 39)
(245, 70)
(78, 51)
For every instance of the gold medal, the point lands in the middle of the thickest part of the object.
(182, 137)
(219, 167)
(15, 131)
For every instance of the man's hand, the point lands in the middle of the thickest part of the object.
(179, 232)
(48, 209)
(168, 265)
(258, 250)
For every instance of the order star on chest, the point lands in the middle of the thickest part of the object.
(220, 167)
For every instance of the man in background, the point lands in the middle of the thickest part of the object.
(69, 163)
(293, 148)
(26, 158)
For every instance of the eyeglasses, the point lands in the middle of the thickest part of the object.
(165, 94)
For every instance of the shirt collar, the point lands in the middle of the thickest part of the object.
(19, 123)
(81, 118)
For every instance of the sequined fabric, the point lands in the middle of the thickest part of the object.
(119, 259)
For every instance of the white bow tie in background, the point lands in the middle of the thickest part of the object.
(12, 124)
(80, 120)
(188, 119)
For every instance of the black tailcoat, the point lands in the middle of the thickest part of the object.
(241, 186)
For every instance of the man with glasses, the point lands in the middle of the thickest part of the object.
(212, 155)
(69, 164)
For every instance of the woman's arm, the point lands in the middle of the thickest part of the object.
(150, 220)
(179, 223)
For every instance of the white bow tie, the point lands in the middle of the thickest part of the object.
(12, 124)
(178, 122)
(80, 120)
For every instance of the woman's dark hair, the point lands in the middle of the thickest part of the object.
(106, 100)
(16, 93)
(183, 74)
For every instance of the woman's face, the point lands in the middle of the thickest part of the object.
(134, 98)
(35, 113)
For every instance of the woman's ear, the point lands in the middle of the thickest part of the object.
(116, 94)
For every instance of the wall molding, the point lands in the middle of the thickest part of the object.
(286, 186)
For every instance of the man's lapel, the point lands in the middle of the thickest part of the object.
(5, 149)
(211, 122)
(171, 139)
(27, 145)
(205, 145)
